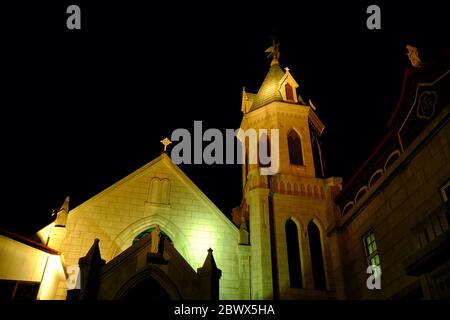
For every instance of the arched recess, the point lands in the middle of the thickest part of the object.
(264, 160)
(288, 188)
(295, 148)
(125, 238)
(347, 207)
(149, 273)
(316, 248)
(282, 189)
(375, 177)
(309, 190)
(289, 91)
(154, 188)
(293, 248)
(391, 159)
(149, 230)
(165, 191)
(361, 192)
(246, 164)
(316, 192)
(296, 189)
(302, 190)
(159, 191)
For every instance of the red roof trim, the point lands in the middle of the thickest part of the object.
(408, 71)
(28, 241)
(406, 74)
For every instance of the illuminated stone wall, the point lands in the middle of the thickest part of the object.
(194, 224)
(20, 262)
(396, 209)
(24, 262)
(302, 210)
(297, 194)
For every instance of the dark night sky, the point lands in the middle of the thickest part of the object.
(82, 109)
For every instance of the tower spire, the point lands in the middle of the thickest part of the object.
(61, 216)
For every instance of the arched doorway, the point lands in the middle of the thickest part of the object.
(150, 284)
(138, 274)
(148, 290)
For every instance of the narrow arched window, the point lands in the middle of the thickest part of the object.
(154, 188)
(315, 245)
(289, 92)
(165, 191)
(247, 164)
(293, 251)
(264, 151)
(295, 148)
(159, 191)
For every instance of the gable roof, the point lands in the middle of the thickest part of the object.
(165, 159)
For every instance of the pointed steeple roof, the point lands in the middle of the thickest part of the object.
(209, 266)
(269, 90)
(272, 88)
(210, 263)
(65, 205)
(61, 216)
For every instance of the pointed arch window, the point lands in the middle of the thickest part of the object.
(295, 148)
(289, 92)
(247, 164)
(264, 151)
(146, 232)
(315, 246)
(293, 251)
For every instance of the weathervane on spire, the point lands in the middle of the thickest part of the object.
(273, 51)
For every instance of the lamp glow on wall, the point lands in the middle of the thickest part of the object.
(53, 274)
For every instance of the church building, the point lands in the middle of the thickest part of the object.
(298, 234)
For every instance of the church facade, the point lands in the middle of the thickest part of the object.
(297, 234)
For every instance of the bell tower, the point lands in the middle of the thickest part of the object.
(286, 211)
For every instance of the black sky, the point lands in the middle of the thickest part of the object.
(82, 109)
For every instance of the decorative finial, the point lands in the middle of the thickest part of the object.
(273, 51)
(413, 55)
(165, 143)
